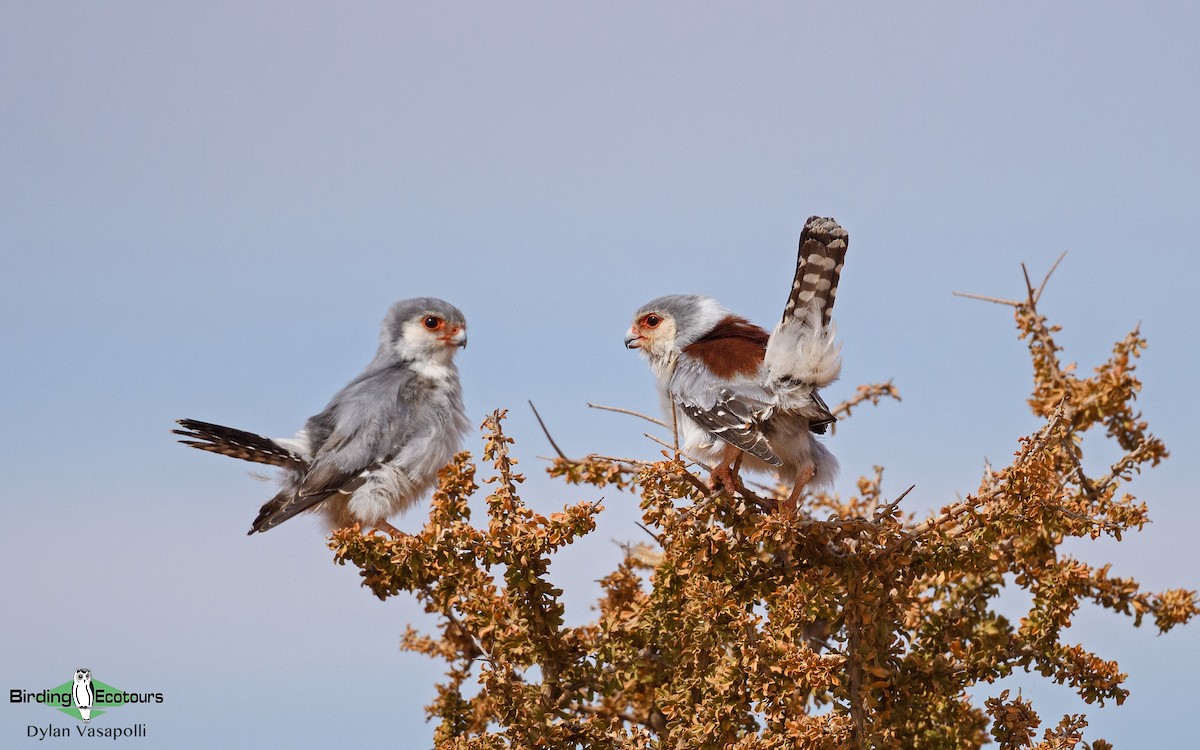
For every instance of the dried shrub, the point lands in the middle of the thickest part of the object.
(849, 625)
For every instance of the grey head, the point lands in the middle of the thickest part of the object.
(421, 329)
(665, 325)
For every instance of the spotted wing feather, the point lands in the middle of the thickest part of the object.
(736, 422)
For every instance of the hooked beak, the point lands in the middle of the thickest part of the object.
(456, 337)
(633, 340)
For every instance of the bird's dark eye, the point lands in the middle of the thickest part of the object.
(651, 321)
(433, 322)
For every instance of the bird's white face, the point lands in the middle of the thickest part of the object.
(664, 325)
(431, 337)
(653, 333)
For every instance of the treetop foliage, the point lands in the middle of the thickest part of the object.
(851, 624)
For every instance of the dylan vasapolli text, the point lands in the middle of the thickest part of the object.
(48, 731)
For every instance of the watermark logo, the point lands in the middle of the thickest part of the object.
(83, 694)
(84, 698)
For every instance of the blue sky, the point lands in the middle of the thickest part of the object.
(205, 210)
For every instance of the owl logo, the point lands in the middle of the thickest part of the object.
(83, 695)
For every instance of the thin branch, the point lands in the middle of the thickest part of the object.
(1092, 522)
(1124, 464)
(764, 487)
(675, 450)
(675, 425)
(873, 392)
(891, 507)
(662, 442)
(765, 504)
(615, 459)
(695, 482)
(1038, 294)
(985, 298)
(658, 422)
(654, 536)
(546, 432)
(1028, 283)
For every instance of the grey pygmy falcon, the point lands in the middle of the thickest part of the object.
(742, 396)
(378, 445)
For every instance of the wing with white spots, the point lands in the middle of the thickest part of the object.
(736, 421)
(731, 409)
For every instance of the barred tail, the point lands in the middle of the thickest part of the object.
(235, 443)
(819, 262)
(803, 353)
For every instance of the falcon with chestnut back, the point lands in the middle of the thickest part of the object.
(742, 397)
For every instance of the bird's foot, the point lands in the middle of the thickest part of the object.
(788, 506)
(722, 477)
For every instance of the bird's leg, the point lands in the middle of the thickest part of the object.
(737, 466)
(388, 529)
(723, 474)
(803, 478)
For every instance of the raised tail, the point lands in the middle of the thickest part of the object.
(819, 262)
(235, 443)
(803, 353)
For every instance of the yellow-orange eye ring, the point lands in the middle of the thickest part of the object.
(651, 321)
(433, 323)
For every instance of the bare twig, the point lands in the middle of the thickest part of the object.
(663, 443)
(985, 298)
(616, 460)
(674, 450)
(890, 508)
(656, 537)
(766, 487)
(1028, 283)
(694, 480)
(658, 422)
(1038, 294)
(546, 432)
(1124, 463)
(675, 425)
